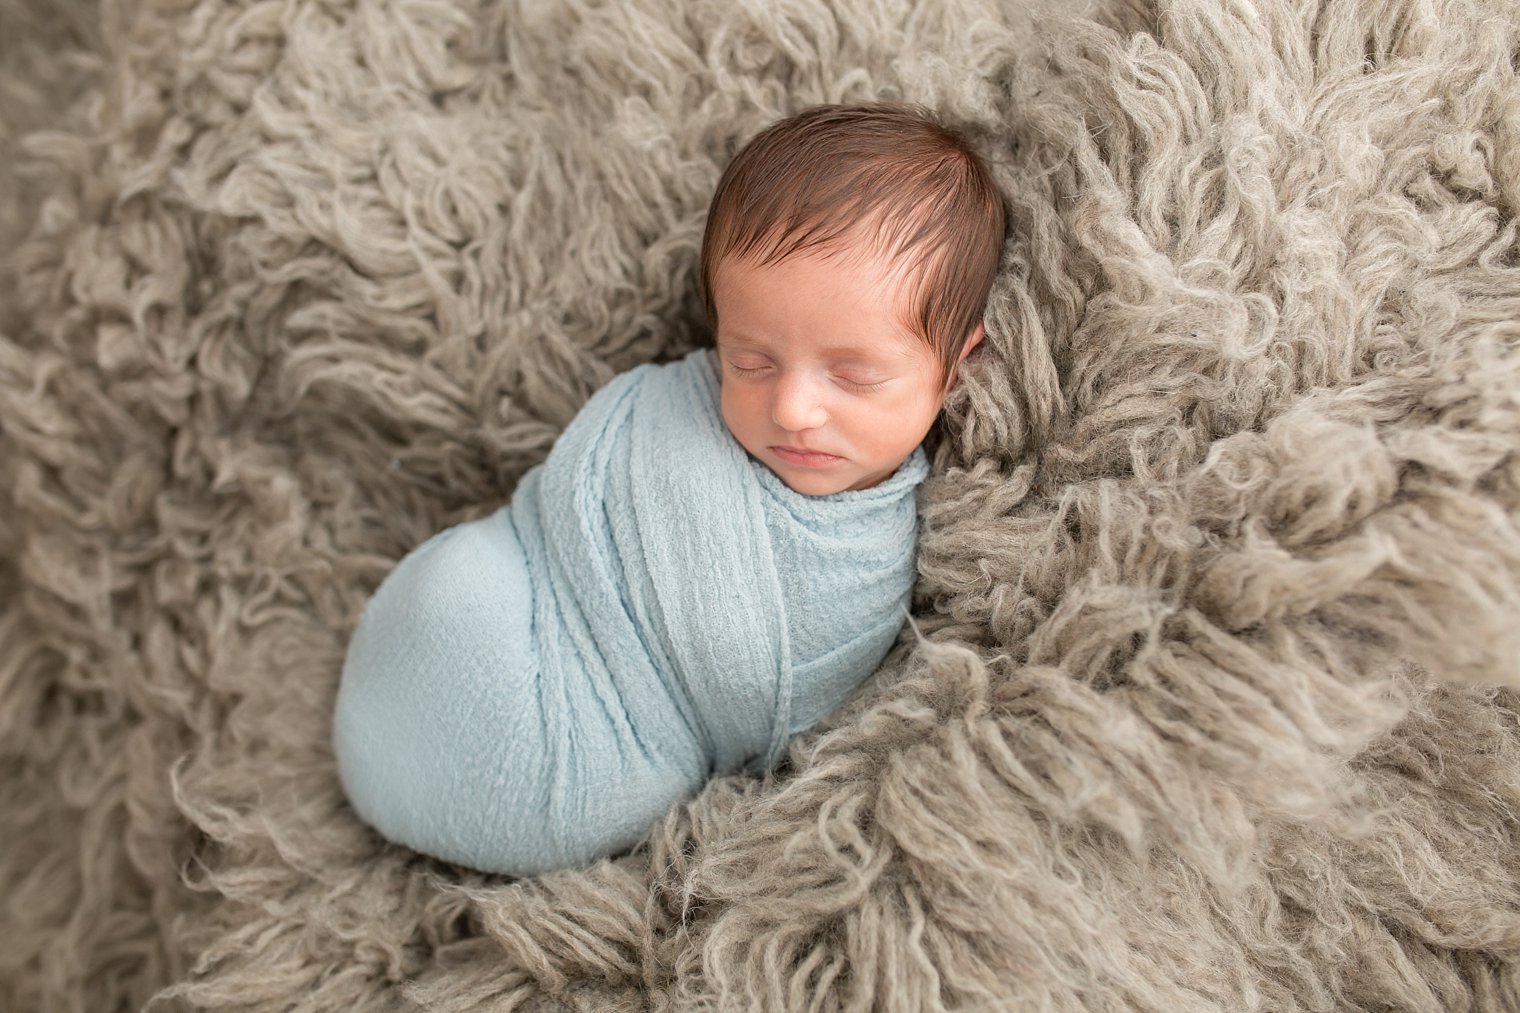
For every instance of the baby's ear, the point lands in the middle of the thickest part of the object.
(975, 339)
(971, 342)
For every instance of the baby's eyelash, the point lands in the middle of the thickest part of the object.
(858, 386)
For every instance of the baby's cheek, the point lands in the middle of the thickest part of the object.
(898, 426)
(892, 420)
(737, 414)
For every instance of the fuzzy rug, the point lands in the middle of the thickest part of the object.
(1210, 702)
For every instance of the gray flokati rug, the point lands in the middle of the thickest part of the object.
(1220, 557)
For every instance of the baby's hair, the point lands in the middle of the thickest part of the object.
(812, 180)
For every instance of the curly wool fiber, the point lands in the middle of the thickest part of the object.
(1208, 701)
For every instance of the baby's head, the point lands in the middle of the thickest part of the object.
(846, 263)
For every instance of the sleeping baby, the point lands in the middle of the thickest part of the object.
(718, 550)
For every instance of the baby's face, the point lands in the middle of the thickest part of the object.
(813, 355)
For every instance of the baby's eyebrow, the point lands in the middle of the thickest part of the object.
(865, 353)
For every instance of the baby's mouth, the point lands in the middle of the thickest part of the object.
(806, 458)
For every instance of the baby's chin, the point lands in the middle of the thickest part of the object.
(823, 482)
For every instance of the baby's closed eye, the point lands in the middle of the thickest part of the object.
(857, 382)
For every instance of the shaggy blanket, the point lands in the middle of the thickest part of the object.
(534, 689)
(1209, 701)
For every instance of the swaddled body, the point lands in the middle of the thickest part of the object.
(532, 690)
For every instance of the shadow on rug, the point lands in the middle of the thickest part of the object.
(1209, 699)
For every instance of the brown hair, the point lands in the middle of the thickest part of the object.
(814, 178)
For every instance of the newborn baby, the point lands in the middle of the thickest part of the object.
(718, 550)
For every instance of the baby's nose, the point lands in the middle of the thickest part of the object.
(798, 405)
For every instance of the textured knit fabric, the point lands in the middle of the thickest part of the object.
(533, 689)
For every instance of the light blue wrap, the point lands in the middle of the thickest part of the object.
(532, 690)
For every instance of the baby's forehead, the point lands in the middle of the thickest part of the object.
(898, 287)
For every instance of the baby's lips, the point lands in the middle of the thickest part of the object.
(803, 450)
